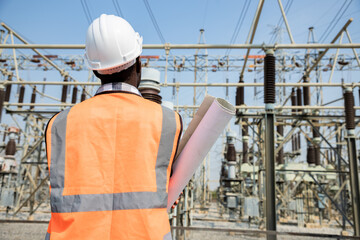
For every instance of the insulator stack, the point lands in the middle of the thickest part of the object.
(306, 93)
(296, 142)
(299, 98)
(83, 95)
(317, 156)
(21, 95)
(292, 143)
(316, 129)
(293, 100)
(33, 97)
(269, 78)
(10, 148)
(349, 109)
(150, 85)
(245, 138)
(245, 130)
(8, 90)
(310, 157)
(64, 91)
(231, 153)
(245, 156)
(2, 98)
(299, 140)
(280, 156)
(240, 96)
(74, 95)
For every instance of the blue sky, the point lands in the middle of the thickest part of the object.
(64, 22)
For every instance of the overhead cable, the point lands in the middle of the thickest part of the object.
(334, 21)
(152, 17)
(239, 24)
(117, 8)
(85, 9)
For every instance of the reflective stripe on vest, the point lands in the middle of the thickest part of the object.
(113, 201)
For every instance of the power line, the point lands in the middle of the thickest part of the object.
(281, 19)
(117, 8)
(152, 17)
(239, 24)
(334, 22)
(87, 14)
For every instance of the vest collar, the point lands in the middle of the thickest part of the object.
(119, 86)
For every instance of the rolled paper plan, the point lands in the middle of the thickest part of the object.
(198, 145)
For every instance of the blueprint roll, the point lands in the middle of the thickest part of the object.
(199, 144)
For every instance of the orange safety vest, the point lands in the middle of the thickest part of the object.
(110, 160)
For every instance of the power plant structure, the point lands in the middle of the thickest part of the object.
(291, 160)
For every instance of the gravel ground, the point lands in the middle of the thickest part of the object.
(22, 231)
(37, 231)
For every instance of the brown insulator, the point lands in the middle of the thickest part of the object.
(299, 140)
(306, 93)
(245, 153)
(292, 143)
(269, 79)
(10, 148)
(4, 136)
(231, 153)
(296, 142)
(33, 97)
(64, 92)
(293, 99)
(316, 129)
(74, 95)
(299, 96)
(317, 156)
(349, 109)
(245, 130)
(310, 157)
(21, 95)
(8, 90)
(83, 95)
(240, 96)
(2, 98)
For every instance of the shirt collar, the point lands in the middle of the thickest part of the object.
(118, 86)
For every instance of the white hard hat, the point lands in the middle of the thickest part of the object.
(112, 45)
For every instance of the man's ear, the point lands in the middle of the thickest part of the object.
(138, 65)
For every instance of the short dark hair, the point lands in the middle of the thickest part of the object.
(122, 76)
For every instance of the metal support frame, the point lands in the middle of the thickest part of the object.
(270, 172)
(354, 180)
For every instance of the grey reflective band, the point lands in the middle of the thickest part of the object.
(47, 236)
(118, 86)
(167, 236)
(113, 201)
